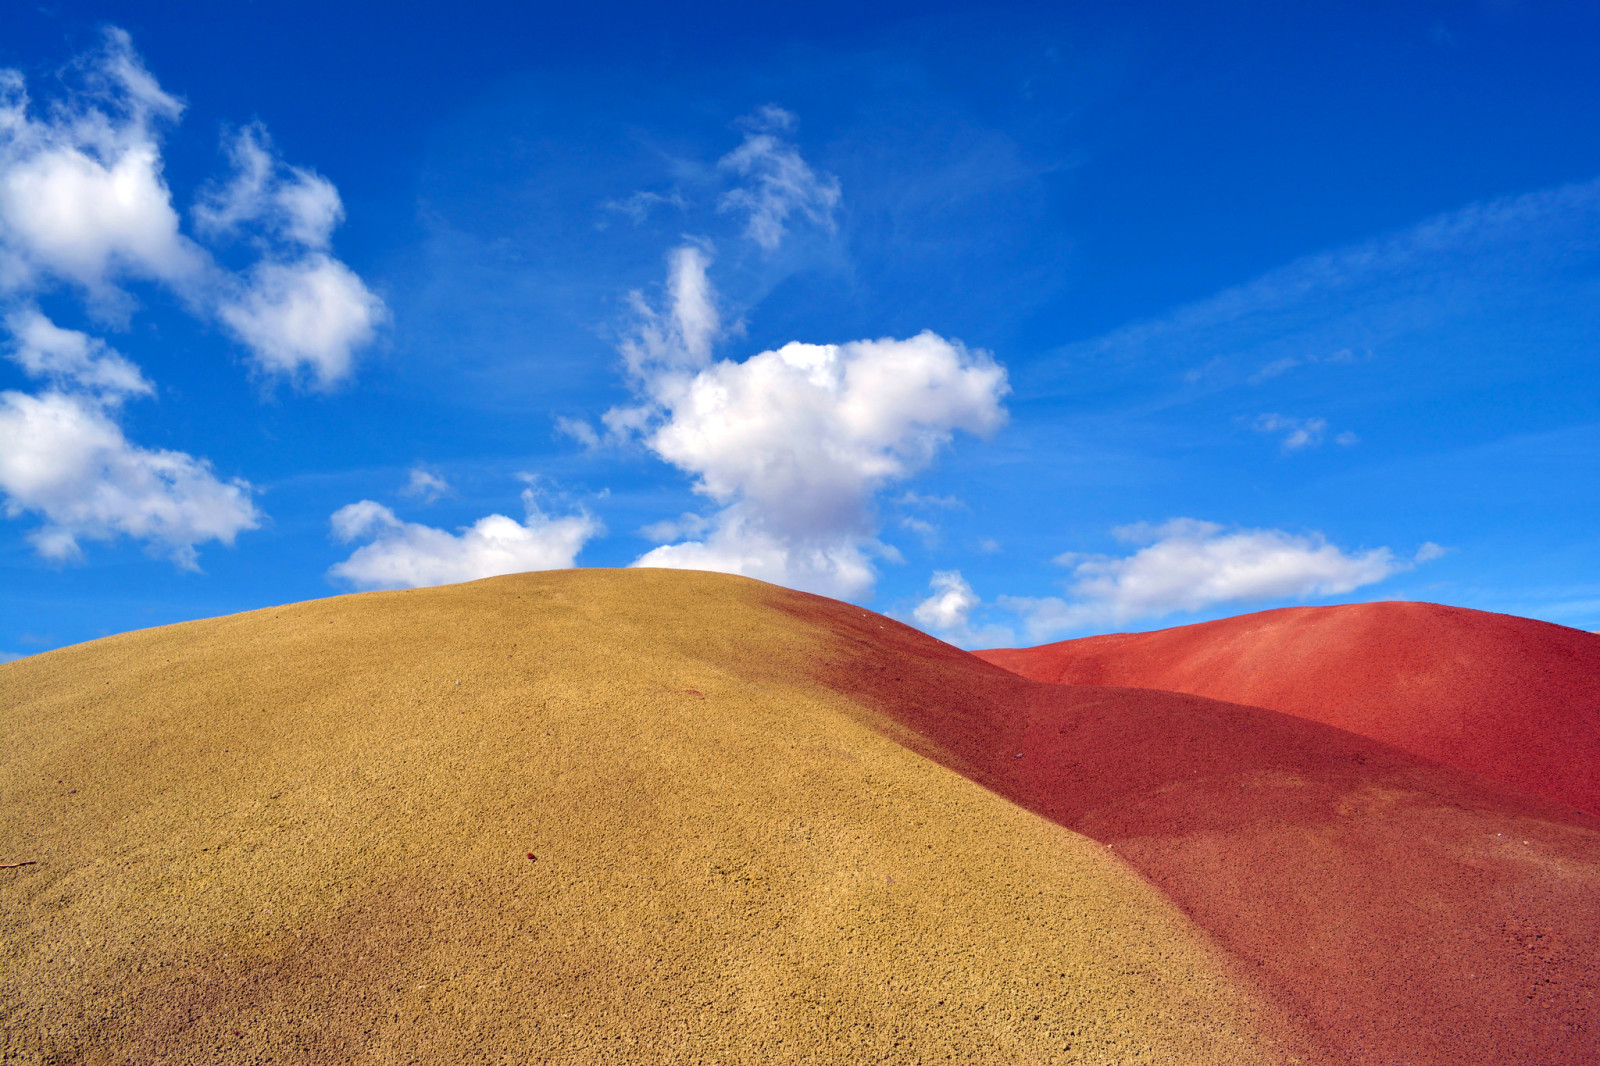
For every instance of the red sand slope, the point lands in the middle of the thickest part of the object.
(1510, 698)
(1402, 911)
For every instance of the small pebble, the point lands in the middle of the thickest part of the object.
(532, 857)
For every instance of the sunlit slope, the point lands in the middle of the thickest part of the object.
(1401, 910)
(303, 833)
(1512, 698)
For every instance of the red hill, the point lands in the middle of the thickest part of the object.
(1401, 910)
(1510, 698)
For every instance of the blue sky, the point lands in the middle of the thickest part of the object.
(1016, 323)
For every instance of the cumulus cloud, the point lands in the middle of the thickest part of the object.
(425, 484)
(82, 197)
(293, 203)
(69, 359)
(410, 555)
(1188, 565)
(950, 607)
(83, 200)
(308, 315)
(779, 183)
(793, 444)
(64, 458)
(947, 613)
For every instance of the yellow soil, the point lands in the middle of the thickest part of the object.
(300, 835)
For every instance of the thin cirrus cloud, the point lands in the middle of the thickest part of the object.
(1298, 434)
(65, 459)
(83, 202)
(793, 444)
(779, 182)
(1344, 307)
(1188, 565)
(410, 555)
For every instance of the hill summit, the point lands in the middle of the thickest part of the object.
(661, 816)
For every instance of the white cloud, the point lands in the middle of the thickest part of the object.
(1430, 551)
(83, 200)
(311, 314)
(680, 338)
(639, 205)
(10, 656)
(794, 443)
(295, 204)
(63, 458)
(948, 613)
(82, 196)
(410, 555)
(951, 605)
(741, 543)
(69, 359)
(1297, 433)
(781, 183)
(425, 484)
(579, 430)
(1188, 565)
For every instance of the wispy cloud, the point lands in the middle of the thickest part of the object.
(779, 183)
(426, 485)
(1189, 565)
(1341, 307)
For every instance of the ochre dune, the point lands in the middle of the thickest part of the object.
(767, 827)
(1514, 699)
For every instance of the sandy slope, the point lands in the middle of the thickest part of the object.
(1402, 911)
(300, 835)
(1511, 698)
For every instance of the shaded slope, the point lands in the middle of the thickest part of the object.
(1510, 698)
(1402, 910)
(300, 834)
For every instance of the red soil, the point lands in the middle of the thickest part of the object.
(1399, 910)
(1510, 698)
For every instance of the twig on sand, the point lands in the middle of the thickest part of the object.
(14, 865)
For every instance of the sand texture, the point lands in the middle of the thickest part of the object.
(767, 827)
(300, 835)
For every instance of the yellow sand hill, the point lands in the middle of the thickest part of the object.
(301, 835)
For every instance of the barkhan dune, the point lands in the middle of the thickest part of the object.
(662, 816)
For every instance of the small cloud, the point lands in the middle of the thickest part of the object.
(425, 484)
(1297, 433)
(410, 555)
(938, 503)
(638, 206)
(1279, 367)
(947, 613)
(988, 546)
(579, 430)
(1429, 552)
(1274, 369)
(1188, 565)
(780, 183)
(667, 530)
(950, 606)
(10, 656)
(1346, 439)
